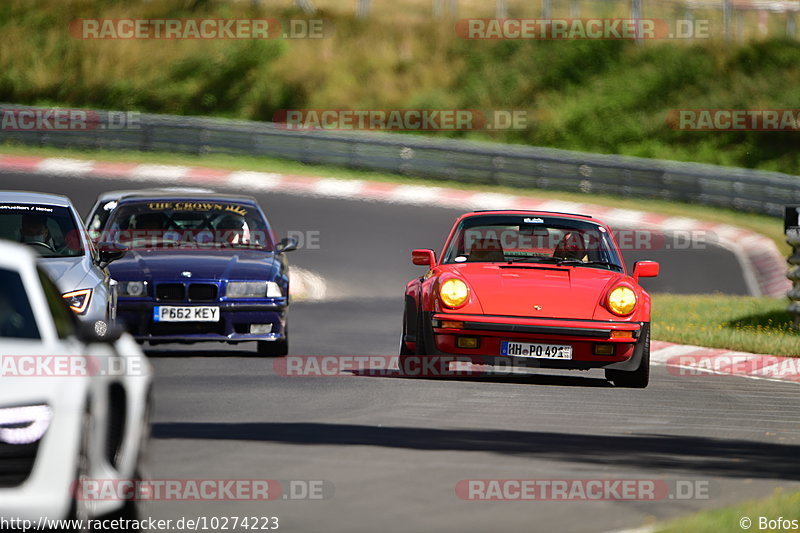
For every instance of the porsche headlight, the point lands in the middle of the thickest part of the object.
(24, 425)
(133, 288)
(253, 289)
(79, 300)
(454, 292)
(622, 301)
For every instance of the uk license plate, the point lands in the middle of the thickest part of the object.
(536, 350)
(174, 313)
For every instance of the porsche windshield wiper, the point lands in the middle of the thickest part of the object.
(532, 259)
(578, 262)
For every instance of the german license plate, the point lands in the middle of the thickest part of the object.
(174, 313)
(538, 351)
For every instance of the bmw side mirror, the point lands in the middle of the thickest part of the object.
(110, 251)
(287, 244)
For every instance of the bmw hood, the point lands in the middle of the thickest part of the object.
(154, 264)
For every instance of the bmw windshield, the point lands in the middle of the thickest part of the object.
(188, 225)
(533, 239)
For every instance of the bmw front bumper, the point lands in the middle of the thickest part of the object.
(234, 324)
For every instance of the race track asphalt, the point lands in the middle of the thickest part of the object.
(392, 450)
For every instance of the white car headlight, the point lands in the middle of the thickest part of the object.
(79, 300)
(24, 425)
(253, 289)
(133, 288)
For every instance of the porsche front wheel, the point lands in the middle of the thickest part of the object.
(634, 379)
(403, 346)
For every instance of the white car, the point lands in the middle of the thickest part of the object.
(74, 406)
(50, 225)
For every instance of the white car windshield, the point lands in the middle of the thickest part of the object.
(51, 231)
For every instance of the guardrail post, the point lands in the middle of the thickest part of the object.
(574, 9)
(792, 229)
(147, 137)
(501, 9)
(547, 9)
(727, 11)
(636, 14)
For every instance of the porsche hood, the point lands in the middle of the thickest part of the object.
(537, 290)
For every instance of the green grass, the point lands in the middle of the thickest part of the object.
(727, 519)
(766, 225)
(598, 96)
(749, 324)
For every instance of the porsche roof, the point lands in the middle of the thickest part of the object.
(525, 211)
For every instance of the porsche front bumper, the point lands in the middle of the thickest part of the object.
(443, 330)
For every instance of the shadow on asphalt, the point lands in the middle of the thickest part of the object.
(218, 350)
(685, 454)
(497, 377)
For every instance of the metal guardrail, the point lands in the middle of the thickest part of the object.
(447, 159)
(792, 229)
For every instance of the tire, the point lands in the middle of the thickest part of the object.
(407, 356)
(421, 349)
(273, 348)
(79, 509)
(403, 347)
(129, 511)
(634, 379)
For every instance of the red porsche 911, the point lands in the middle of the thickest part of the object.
(534, 289)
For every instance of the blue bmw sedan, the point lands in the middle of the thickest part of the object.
(200, 267)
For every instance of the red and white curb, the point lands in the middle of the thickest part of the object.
(691, 361)
(762, 263)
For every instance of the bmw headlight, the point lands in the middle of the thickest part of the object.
(24, 425)
(622, 301)
(133, 288)
(78, 300)
(454, 292)
(253, 289)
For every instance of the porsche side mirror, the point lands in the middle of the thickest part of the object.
(423, 257)
(287, 244)
(645, 269)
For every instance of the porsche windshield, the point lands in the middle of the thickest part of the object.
(188, 224)
(533, 239)
(49, 230)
